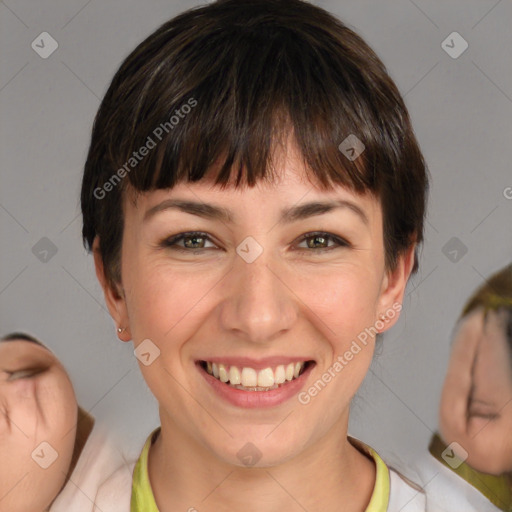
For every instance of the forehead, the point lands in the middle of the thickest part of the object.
(480, 323)
(497, 321)
(17, 349)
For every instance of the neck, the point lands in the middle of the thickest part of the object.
(185, 475)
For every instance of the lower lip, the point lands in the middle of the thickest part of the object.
(256, 399)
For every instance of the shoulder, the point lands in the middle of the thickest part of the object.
(446, 491)
(100, 457)
(114, 494)
(393, 490)
(405, 494)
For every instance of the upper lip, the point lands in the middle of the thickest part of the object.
(257, 364)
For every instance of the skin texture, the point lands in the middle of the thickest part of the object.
(476, 402)
(291, 301)
(37, 404)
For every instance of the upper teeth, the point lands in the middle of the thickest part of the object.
(250, 377)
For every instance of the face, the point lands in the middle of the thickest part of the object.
(479, 415)
(37, 405)
(252, 294)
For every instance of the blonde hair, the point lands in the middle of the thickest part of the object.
(494, 294)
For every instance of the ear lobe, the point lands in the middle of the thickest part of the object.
(115, 301)
(393, 287)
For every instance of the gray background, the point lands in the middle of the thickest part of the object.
(461, 111)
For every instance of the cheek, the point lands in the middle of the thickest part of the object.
(44, 410)
(491, 453)
(344, 301)
(58, 406)
(345, 305)
(161, 296)
(494, 378)
(56, 397)
(22, 405)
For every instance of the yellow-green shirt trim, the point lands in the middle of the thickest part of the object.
(143, 500)
(496, 488)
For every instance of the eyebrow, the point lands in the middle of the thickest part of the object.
(288, 215)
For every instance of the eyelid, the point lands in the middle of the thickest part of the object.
(483, 409)
(172, 241)
(24, 373)
(341, 242)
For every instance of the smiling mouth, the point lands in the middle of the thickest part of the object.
(249, 379)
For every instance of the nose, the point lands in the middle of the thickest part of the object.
(259, 306)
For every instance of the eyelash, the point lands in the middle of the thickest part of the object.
(171, 242)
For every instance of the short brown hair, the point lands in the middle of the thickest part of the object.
(226, 82)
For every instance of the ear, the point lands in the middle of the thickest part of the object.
(393, 289)
(114, 299)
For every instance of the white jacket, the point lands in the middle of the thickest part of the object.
(447, 491)
(100, 458)
(115, 494)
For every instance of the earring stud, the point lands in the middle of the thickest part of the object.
(121, 330)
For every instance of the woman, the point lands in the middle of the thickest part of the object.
(52, 456)
(254, 195)
(471, 455)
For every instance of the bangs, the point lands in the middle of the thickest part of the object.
(219, 91)
(222, 104)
